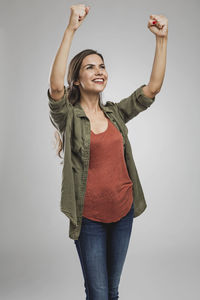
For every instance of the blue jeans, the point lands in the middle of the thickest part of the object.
(102, 249)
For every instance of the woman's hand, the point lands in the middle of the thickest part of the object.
(78, 14)
(158, 24)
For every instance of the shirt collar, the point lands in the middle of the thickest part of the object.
(80, 111)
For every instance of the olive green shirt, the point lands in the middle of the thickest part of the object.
(74, 127)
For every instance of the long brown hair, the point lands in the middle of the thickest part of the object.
(73, 92)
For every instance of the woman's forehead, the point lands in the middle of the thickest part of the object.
(92, 59)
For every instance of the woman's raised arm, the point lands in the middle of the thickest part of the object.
(78, 14)
(158, 24)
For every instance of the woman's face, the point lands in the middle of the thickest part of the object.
(92, 67)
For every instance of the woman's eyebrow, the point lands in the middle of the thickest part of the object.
(92, 65)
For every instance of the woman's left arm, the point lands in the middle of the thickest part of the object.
(158, 24)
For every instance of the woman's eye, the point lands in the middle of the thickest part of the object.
(92, 66)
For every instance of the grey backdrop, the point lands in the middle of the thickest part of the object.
(38, 260)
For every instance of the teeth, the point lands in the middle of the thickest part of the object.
(96, 80)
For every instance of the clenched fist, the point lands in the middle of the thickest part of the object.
(158, 24)
(78, 14)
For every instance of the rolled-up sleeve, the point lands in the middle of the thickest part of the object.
(131, 106)
(58, 110)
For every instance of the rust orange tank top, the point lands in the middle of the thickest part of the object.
(109, 193)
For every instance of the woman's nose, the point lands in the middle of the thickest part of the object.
(98, 71)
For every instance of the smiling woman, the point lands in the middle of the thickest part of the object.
(92, 68)
(101, 192)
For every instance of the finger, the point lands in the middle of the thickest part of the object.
(153, 22)
(81, 15)
(157, 22)
(153, 16)
(160, 24)
(87, 9)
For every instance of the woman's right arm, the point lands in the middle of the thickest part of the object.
(78, 14)
(59, 66)
(58, 102)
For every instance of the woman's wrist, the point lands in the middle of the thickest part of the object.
(161, 38)
(70, 29)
